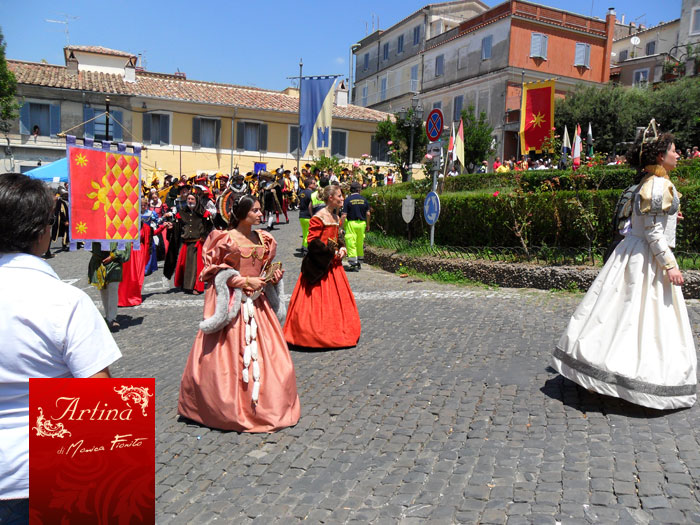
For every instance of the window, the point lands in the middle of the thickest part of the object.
(416, 35)
(399, 44)
(293, 139)
(414, 78)
(583, 55)
(439, 65)
(385, 52)
(457, 105)
(486, 43)
(651, 47)
(339, 142)
(437, 105)
(462, 57)
(206, 132)
(97, 129)
(538, 46)
(46, 118)
(251, 136)
(382, 89)
(379, 150)
(365, 60)
(364, 96)
(483, 102)
(623, 56)
(695, 21)
(641, 77)
(156, 128)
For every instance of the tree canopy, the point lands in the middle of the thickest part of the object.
(8, 89)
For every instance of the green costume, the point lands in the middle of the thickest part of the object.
(113, 269)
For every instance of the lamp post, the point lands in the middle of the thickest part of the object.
(412, 119)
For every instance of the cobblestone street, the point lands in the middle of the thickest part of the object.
(446, 412)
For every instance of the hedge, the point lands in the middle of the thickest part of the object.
(482, 219)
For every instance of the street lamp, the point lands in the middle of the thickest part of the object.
(412, 119)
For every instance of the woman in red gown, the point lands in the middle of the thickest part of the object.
(322, 312)
(239, 375)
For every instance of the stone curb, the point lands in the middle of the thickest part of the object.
(507, 274)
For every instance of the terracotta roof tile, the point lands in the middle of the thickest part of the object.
(173, 88)
(100, 50)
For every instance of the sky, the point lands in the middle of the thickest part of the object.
(232, 41)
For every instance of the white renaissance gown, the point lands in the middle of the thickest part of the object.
(630, 337)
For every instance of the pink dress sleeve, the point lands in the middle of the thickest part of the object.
(220, 252)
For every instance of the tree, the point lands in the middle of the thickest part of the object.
(8, 89)
(477, 137)
(398, 132)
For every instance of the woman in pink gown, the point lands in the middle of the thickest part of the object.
(241, 376)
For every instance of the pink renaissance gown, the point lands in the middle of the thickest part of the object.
(212, 391)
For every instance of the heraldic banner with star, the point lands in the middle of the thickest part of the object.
(536, 115)
(104, 194)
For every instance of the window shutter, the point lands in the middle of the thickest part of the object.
(293, 138)
(588, 56)
(89, 127)
(117, 134)
(240, 138)
(580, 58)
(543, 45)
(535, 45)
(262, 138)
(146, 133)
(24, 119)
(374, 148)
(196, 127)
(55, 120)
(217, 133)
(164, 130)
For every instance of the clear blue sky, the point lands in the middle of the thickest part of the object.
(248, 43)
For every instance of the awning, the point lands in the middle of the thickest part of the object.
(57, 171)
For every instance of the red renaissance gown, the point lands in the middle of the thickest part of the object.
(324, 314)
(133, 270)
(213, 391)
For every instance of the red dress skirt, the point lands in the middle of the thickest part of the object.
(324, 314)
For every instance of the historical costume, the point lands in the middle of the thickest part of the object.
(193, 226)
(239, 375)
(106, 276)
(322, 312)
(356, 211)
(630, 337)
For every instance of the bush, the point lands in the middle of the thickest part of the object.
(555, 218)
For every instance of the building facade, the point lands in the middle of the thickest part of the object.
(483, 61)
(186, 126)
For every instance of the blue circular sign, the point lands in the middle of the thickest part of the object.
(433, 125)
(431, 208)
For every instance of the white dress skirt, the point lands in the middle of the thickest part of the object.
(630, 337)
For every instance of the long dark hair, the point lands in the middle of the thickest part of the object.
(241, 206)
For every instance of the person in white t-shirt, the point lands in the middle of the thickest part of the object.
(48, 329)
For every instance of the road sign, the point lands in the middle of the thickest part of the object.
(408, 208)
(431, 208)
(433, 125)
(434, 149)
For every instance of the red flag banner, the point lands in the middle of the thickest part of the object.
(91, 451)
(536, 115)
(104, 194)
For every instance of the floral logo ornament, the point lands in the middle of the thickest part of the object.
(81, 227)
(137, 394)
(45, 428)
(81, 160)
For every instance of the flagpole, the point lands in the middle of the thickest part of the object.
(522, 89)
(301, 65)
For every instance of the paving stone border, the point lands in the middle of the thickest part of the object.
(509, 275)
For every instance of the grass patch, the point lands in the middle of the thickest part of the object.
(444, 276)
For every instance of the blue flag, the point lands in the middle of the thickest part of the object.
(316, 113)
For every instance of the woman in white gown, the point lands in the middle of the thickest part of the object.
(630, 337)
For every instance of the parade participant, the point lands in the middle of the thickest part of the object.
(271, 204)
(105, 273)
(137, 267)
(355, 220)
(317, 202)
(306, 211)
(194, 224)
(155, 204)
(631, 337)
(322, 311)
(48, 328)
(59, 228)
(279, 191)
(239, 375)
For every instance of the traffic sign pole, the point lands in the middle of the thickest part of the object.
(433, 128)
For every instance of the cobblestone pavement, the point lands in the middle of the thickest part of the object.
(445, 412)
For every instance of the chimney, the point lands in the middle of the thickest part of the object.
(130, 71)
(72, 64)
(610, 34)
(341, 94)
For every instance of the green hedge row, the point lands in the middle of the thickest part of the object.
(555, 218)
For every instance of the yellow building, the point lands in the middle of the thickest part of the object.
(186, 126)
